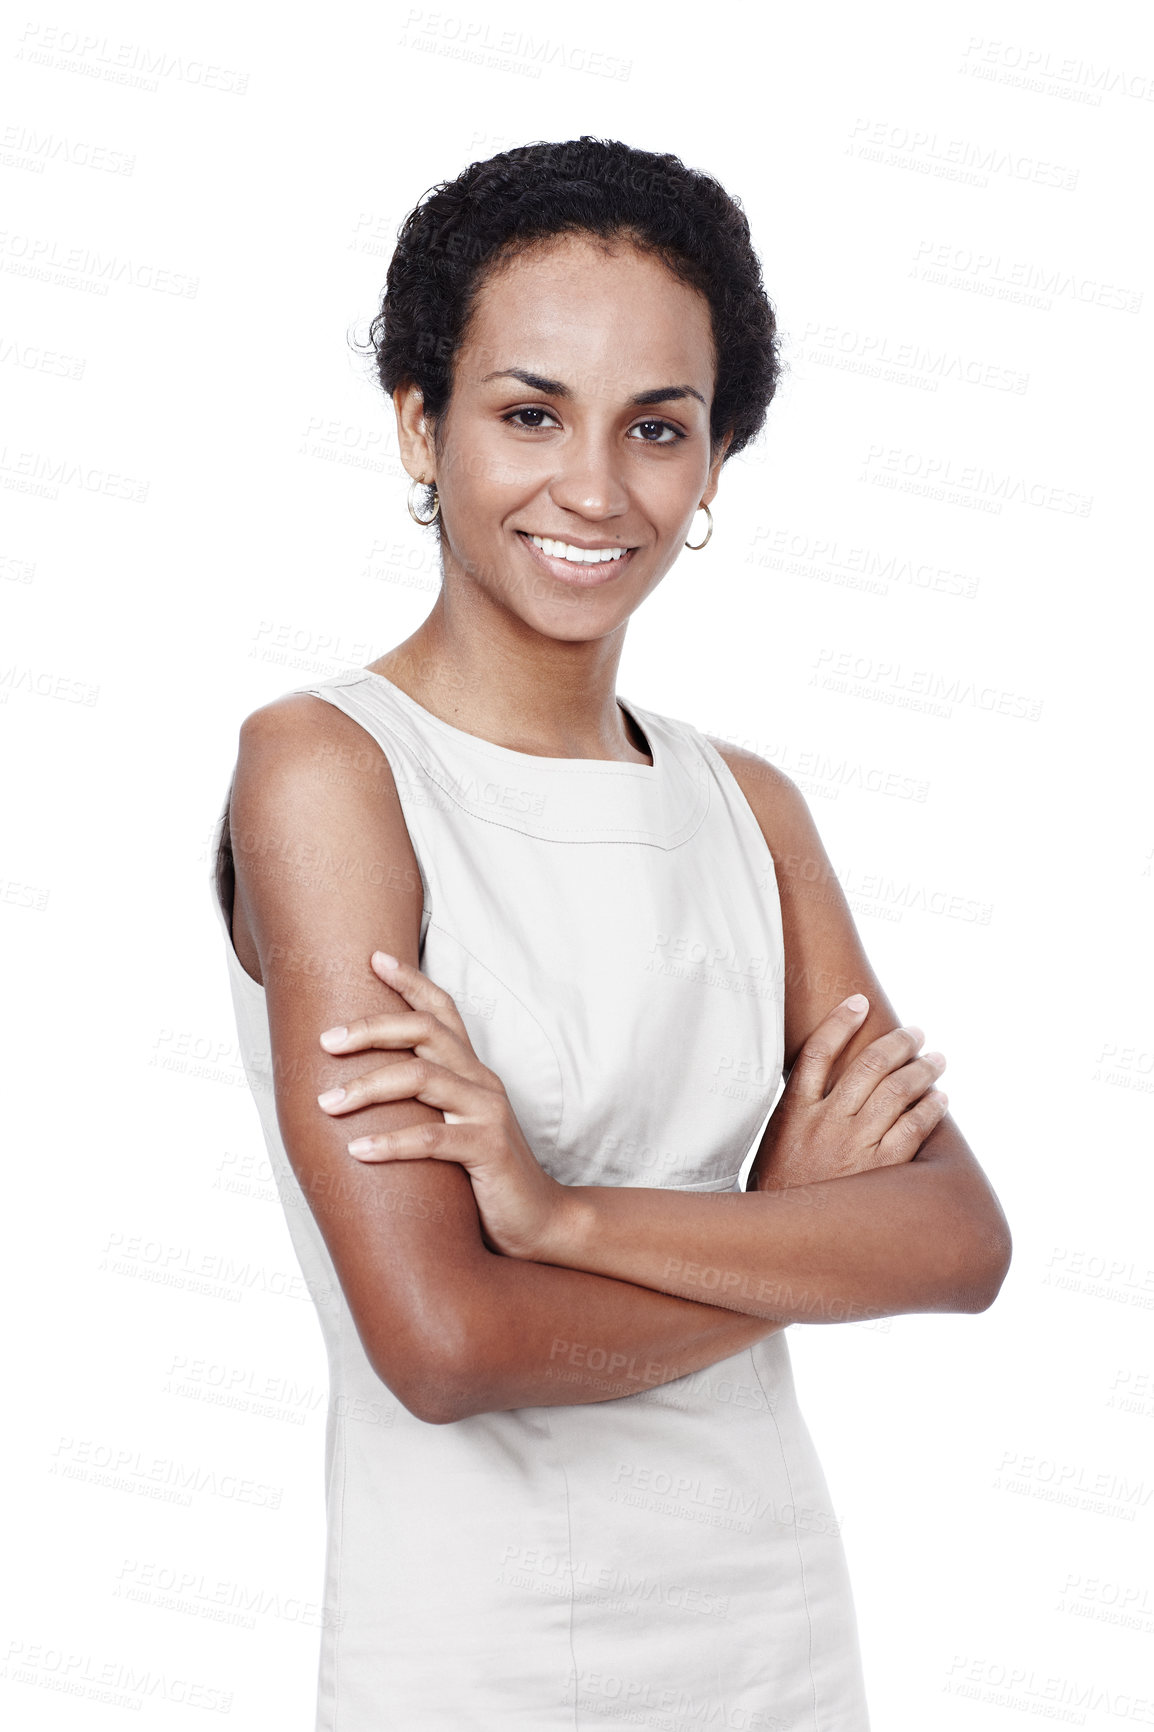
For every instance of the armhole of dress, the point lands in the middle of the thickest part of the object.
(222, 888)
(719, 766)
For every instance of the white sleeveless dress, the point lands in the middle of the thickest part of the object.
(611, 934)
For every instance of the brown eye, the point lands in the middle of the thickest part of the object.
(542, 415)
(652, 432)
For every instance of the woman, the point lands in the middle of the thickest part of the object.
(568, 1482)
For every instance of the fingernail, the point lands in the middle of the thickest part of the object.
(383, 958)
(361, 1146)
(935, 1057)
(859, 1001)
(331, 1097)
(337, 1034)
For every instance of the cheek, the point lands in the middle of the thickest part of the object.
(672, 494)
(485, 477)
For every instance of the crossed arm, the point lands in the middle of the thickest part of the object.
(619, 1302)
(925, 1234)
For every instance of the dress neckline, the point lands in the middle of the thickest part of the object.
(478, 740)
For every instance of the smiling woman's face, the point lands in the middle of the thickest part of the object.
(579, 417)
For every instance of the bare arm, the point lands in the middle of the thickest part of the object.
(918, 1237)
(325, 874)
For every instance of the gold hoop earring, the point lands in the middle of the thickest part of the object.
(696, 546)
(430, 488)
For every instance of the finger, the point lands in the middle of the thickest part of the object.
(810, 1073)
(421, 992)
(911, 1130)
(897, 1092)
(873, 1064)
(418, 1029)
(431, 1140)
(411, 1079)
(385, 1030)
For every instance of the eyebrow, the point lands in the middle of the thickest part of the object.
(554, 388)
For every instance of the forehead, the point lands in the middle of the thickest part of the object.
(575, 308)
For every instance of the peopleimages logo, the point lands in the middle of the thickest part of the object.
(49, 259)
(854, 566)
(993, 488)
(129, 63)
(29, 147)
(885, 681)
(478, 40)
(959, 159)
(1022, 281)
(879, 356)
(1040, 69)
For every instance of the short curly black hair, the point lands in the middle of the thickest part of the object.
(461, 229)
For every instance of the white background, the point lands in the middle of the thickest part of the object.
(205, 509)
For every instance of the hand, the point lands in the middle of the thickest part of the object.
(877, 1114)
(517, 1199)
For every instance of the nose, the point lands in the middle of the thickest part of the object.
(588, 481)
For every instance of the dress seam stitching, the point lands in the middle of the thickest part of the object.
(340, 1439)
(569, 1543)
(796, 1533)
(682, 833)
(534, 1019)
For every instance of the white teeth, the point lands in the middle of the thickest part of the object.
(578, 555)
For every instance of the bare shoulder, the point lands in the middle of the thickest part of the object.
(317, 835)
(304, 766)
(306, 737)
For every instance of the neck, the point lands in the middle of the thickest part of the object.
(515, 687)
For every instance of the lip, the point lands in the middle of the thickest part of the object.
(565, 571)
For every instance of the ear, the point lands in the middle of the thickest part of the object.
(414, 433)
(717, 460)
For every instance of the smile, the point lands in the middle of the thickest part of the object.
(576, 555)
